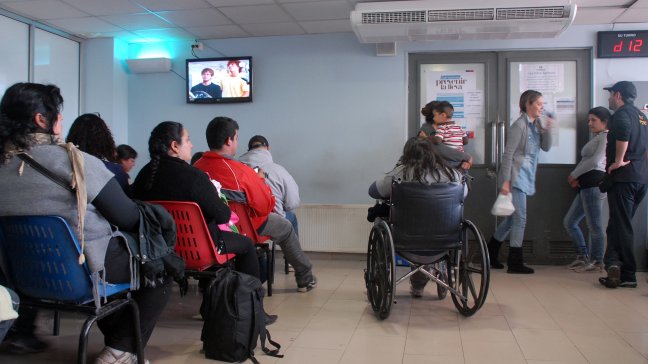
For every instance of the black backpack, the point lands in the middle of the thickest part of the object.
(232, 308)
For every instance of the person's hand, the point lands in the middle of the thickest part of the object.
(570, 179)
(574, 184)
(506, 188)
(617, 165)
(546, 123)
(466, 164)
(261, 173)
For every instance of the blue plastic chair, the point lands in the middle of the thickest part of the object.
(41, 261)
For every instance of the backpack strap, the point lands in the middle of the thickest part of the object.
(259, 326)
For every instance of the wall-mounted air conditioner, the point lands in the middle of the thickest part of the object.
(380, 22)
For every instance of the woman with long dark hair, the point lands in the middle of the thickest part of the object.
(524, 139)
(30, 124)
(90, 133)
(588, 203)
(419, 163)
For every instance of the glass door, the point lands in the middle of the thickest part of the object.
(485, 88)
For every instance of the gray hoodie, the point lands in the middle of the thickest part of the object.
(283, 185)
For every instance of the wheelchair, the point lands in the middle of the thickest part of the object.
(427, 229)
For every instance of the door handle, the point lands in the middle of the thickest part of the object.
(500, 144)
(493, 149)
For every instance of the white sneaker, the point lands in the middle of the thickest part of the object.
(580, 261)
(113, 356)
(593, 266)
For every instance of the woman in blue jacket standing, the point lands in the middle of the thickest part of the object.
(524, 139)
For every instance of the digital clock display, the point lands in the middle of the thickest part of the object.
(625, 43)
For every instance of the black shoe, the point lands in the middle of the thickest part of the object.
(613, 279)
(270, 319)
(18, 343)
(493, 253)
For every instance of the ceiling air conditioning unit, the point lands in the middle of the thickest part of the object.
(392, 21)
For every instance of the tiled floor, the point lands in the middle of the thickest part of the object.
(553, 316)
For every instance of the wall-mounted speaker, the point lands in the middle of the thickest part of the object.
(149, 65)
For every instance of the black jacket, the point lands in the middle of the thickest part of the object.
(154, 245)
(176, 180)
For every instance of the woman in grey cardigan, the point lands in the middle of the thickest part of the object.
(524, 139)
(588, 202)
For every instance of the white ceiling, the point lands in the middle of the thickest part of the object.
(150, 20)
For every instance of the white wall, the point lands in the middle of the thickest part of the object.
(334, 113)
(105, 84)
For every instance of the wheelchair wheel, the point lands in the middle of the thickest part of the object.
(379, 275)
(474, 270)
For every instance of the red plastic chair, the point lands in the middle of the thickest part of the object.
(194, 242)
(237, 202)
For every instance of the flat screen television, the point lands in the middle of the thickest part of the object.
(219, 80)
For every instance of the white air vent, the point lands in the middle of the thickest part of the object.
(533, 13)
(392, 21)
(394, 17)
(460, 15)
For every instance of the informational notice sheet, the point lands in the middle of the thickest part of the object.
(543, 77)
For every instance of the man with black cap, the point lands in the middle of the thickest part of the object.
(627, 174)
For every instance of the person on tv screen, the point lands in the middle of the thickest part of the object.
(232, 84)
(206, 89)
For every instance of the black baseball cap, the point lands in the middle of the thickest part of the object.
(258, 141)
(626, 88)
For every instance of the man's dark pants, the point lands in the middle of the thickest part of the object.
(623, 199)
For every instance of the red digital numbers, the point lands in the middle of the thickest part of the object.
(634, 46)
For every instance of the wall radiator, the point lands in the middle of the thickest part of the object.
(334, 228)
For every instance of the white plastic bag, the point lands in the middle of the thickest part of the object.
(503, 205)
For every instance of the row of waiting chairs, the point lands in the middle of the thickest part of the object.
(44, 269)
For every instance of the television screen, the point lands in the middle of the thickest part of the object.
(219, 80)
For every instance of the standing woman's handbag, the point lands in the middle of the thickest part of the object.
(503, 205)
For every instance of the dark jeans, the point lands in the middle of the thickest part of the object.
(246, 258)
(118, 328)
(624, 199)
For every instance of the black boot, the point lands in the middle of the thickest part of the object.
(516, 262)
(269, 319)
(493, 252)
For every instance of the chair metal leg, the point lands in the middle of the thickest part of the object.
(138, 331)
(269, 267)
(57, 324)
(83, 339)
(286, 269)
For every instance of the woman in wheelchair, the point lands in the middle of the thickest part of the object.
(419, 163)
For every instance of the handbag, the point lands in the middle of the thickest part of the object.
(503, 205)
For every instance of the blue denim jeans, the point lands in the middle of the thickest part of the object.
(515, 223)
(624, 199)
(587, 204)
(293, 220)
